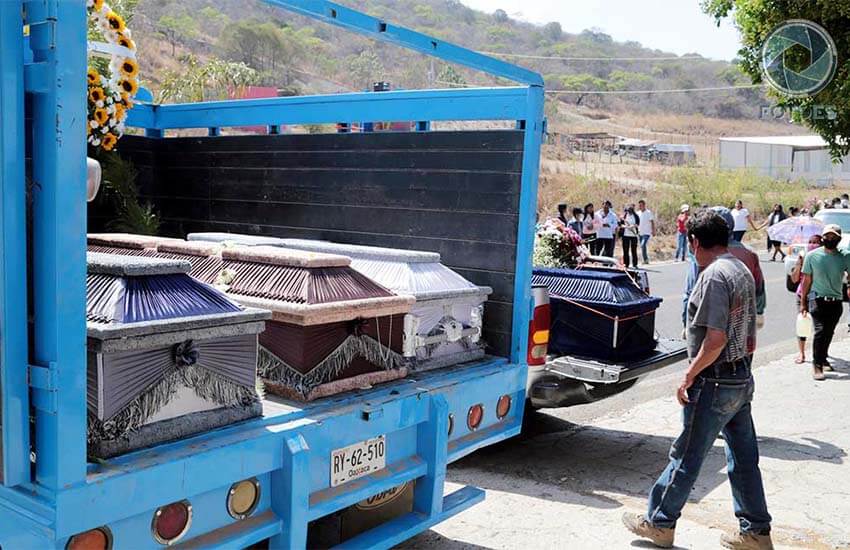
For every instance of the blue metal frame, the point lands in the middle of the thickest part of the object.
(14, 391)
(288, 452)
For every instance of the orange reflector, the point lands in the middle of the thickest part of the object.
(541, 337)
(171, 522)
(243, 497)
(475, 416)
(96, 539)
(503, 407)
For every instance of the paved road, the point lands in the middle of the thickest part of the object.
(566, 480)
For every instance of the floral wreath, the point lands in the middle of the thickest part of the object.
(110, 97)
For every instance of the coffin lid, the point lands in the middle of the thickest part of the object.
(133, 266)
(283, 257)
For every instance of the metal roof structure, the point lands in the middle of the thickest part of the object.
(797, 142)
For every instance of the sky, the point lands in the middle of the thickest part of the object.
(676, 26)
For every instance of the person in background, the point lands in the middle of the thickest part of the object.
(743, 253)
(775, 217)
(845, 200)
(575, 221)
(682, 232)
(562, 213)
(796, 272)
(605, 231)
(588, 229)
(715, 396)
(743, 221)
(836, 202)
(646, 228)
(630, 223)
(823, 273)
(793, 211)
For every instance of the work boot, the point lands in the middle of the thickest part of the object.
(818, 373)
(640, 526)
(746, 541)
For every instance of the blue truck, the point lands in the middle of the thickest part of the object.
(469, 195)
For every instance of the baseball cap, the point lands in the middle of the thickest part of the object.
(684, 208)
(835, 229)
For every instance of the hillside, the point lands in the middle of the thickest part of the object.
(304, 56)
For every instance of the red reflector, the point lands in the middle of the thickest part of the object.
(96, 539)
(538, 335)
(503, 407)
(171, 522)
(475, 416)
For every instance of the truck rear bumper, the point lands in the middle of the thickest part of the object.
(566, 381)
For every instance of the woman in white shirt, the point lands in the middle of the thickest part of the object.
(743, 221)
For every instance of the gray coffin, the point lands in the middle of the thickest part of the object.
(168, 356)
(444, 326)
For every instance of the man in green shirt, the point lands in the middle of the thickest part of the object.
(823, 272)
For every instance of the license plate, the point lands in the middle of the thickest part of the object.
(358, 460)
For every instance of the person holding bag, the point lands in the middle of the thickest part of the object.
(629, 226)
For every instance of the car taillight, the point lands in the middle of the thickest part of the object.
(538, 330)
(474, 417)
(242, 498)
(171, 522)
(503, 407)
(96, 539)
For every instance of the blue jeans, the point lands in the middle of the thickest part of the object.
(643, 240)
(715, 405)
(682, 246)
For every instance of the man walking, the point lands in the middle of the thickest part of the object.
(605, 233)
(646, 228)
(823, 271)
(715, 396)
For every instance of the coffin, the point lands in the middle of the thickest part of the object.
(598, 314)
(168, 356)
(444, 325)
(332, 328)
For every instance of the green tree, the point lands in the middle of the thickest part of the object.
(553, 31)
(212, 78)
(176, 29)
(214, 20)
(756, 19)
(449, 75)
(254, 43)
(501, 16)
(364, 69)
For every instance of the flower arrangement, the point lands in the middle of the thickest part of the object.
(110, 95)
(556, 245)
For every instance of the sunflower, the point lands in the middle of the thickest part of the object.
(93, 77)
(129, 68)
(101, 116)
(96, 94)
(126, 42)
(97, 5)
(126, 100)
(129, 86)
(116, 22)
(109, 142)
(120, 112)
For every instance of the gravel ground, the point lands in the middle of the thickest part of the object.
(562, 484)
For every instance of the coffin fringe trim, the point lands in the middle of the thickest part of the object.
(205, 383)
(273, 368)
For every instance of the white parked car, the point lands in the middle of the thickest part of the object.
(839, 216)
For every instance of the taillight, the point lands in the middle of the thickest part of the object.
(243, 497)
(538, 329)
(474, 417)
(96, 539)
(503, 407)
(171, 522)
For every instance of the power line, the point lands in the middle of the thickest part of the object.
(668, 91)
(626, 92)
(560, 58)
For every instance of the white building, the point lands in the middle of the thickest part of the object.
(785, 158)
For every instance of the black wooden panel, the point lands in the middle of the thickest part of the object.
(455, 193)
